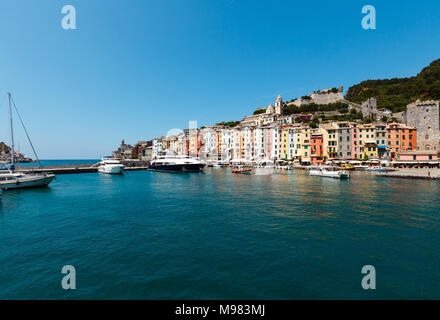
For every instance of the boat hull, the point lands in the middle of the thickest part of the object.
(330, 174)
(178, 167)
(111, 169)
(245, 171)
(27, 182)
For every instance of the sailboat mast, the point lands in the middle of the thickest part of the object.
(12, 129)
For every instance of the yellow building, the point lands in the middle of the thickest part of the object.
(284, 143)
(371, 150)
(330, 140)
(302, 144)
(367, 135)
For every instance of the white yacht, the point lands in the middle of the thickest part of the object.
(323, 172)
(176, 164)
(9, 179)
(110, 166)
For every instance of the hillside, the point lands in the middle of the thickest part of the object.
(4, 148)
(395, 94)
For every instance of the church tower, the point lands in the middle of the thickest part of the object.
(279, 105)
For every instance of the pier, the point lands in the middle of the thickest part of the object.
(410, 173)
(79, 168)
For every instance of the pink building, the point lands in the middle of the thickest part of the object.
(420, 156)
(268, 136)
(356, 152)
(417, 159)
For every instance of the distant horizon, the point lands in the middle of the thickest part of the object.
(80, 92)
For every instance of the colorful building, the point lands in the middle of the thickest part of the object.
(400, 138)
(317, 147)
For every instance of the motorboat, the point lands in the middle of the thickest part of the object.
(345, 166)
(376, 169)
(323, 172)
(176, 164)
(11, 179)
(110, 166)
(242, 170)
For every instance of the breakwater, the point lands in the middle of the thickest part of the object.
(79, 168)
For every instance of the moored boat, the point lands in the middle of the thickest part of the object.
(176, 164)
(19, 180)
(110, 166)
(322, 172)
(345, 166)
(9, 178)
(376, 169)
(242, 170)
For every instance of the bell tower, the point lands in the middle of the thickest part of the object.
(279, 105)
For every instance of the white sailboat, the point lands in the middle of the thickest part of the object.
(9, 179)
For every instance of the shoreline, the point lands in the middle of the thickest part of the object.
(421, 173)
(402, 173)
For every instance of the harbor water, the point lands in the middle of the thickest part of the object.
(215, 235)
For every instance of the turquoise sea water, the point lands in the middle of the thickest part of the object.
(214, 235)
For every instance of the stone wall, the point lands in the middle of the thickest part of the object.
(320, 97)
(425, 116)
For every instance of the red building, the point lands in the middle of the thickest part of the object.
(317, 148)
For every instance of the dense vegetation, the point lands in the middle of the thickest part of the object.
(395, 94)
(261, 110)
(229, 124)
(313, 107)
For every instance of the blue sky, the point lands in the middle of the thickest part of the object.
(135, 69)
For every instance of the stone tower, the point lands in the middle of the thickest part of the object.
(425, 116)
(279, 105)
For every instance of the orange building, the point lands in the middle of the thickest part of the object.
(317, 148)
(400, 138)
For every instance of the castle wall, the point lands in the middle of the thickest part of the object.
(322, 97)
(326, 98)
